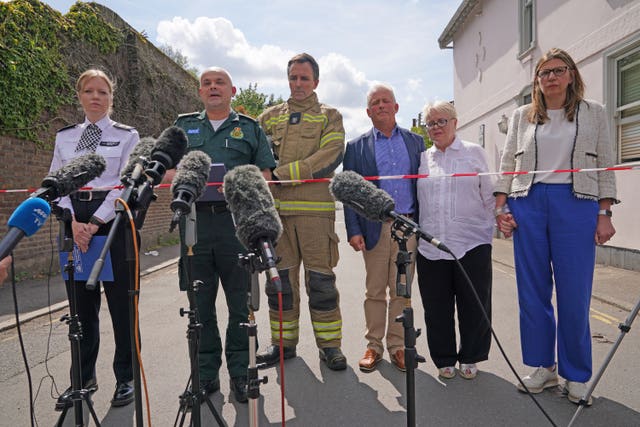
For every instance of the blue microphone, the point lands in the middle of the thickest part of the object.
(24, 221)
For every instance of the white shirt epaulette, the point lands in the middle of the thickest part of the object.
(67, 127)
(123, 126)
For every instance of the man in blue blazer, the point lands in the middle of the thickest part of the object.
(384, 150)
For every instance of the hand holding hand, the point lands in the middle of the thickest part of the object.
(506, 224)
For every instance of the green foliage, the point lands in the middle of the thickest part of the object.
(251, 102)
(423, 133)
(87, 26)
(34, 77)
(179, 58)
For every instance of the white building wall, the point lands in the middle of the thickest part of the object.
(489, 76)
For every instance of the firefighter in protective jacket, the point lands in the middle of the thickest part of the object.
(308, 142)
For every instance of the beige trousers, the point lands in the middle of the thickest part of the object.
(381, 304)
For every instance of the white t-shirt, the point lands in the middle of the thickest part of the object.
(554, 141)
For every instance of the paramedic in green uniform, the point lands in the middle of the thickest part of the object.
(233, 139)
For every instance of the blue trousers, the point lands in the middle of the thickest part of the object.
(554, 242)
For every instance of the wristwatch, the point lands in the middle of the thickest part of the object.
(95, 221)
(606, 212)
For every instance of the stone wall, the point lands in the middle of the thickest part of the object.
(151, 91)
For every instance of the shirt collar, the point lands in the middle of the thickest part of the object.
(103, 123)
(378, 134)
(455, 145)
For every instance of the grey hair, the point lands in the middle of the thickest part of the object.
(376, 87)
(217, 70)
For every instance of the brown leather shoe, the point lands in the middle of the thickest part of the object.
(369, 361)
(397, 359)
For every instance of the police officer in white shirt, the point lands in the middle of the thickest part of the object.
(93, 212)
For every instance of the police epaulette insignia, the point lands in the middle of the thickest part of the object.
(195, 113)
(67, 127)
(122, 126)
(247, 117)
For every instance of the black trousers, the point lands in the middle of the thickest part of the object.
(443, 288)
(116, 292)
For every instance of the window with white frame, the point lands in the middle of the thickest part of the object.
(527, 25)
(628, 105)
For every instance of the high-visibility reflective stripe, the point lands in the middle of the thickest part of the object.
(332, 136)
(328, 331)
(316, 119)
(277, 119)
(329, 336)
(325, 326)
(292, 205)
(289, 330)
(294, 171)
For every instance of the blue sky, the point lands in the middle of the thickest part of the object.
(356, 42)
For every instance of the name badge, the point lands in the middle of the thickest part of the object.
(109, 143)
(294, 118)
(193, 131)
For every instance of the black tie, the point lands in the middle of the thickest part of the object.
(90, 138)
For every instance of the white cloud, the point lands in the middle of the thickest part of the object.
(216, 42)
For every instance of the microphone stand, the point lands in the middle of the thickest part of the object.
(624, 329)
(195, 396)
(78, 393)
(400, 233)
(138, 194)
(255, 264)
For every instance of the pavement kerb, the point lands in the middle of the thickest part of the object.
(26, 317)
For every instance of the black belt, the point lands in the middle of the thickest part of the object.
(87, 196)
(216, 207)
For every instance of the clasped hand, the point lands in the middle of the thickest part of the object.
(82, 234)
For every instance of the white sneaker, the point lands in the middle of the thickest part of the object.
(447, 372)
(575, 392)
(468, 371)
(540, 379)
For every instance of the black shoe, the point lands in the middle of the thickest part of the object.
(239, 389)
(65, 400)
(271, 355)
(123, 394)
(334, 358)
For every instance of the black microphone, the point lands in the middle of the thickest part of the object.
(140, 154)
(169, 149)
(188, 184)
(258, 225)
(252, 206)
(71, 177)
(24, 221)
(373, 203)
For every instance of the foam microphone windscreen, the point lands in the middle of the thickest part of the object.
(252, 206)
(362, 196)
(74, 175)
(142, 149)
(170, 147)
(192, 173)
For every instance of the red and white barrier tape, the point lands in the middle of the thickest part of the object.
(376, 178)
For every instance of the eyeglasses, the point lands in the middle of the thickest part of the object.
(439, 122)
(558, 71)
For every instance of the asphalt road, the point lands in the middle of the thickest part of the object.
(314, 395)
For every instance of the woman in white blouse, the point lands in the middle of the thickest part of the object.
(458, 211)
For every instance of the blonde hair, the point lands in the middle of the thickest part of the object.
(575, 90)
(440, 107)
(91, 73)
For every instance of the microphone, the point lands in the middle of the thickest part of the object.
(167, 152)
(71, 177)
(252, 206)
(28, 217)
(188, 184)
(258, 225)
(373, 203)
(139, 155)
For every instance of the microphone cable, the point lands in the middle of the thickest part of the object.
(493, 334)
(22, 349)
(136, 293)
